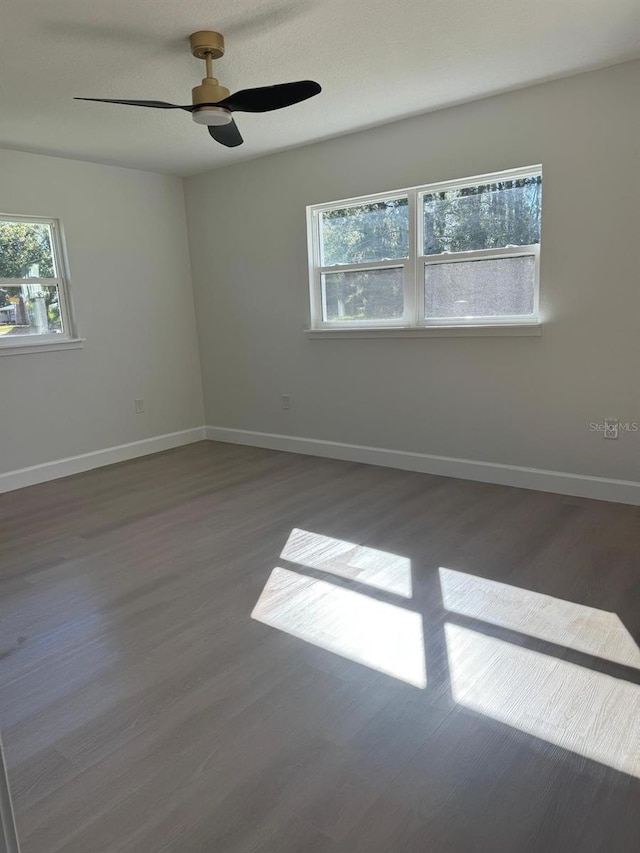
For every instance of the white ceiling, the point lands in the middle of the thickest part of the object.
(377, 60)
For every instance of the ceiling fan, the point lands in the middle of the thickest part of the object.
(213, 104)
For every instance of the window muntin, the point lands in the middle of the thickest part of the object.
(486, 228)
(33, 299)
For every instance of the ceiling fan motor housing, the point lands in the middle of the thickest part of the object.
(207, 93)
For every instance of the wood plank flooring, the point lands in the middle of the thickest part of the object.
(223, 648)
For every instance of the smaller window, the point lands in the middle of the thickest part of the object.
(33, 296)
(363, 250)
(457, 253)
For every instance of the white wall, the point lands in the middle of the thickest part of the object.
(519, 401)
(131, 287)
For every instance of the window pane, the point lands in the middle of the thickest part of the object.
(25, 250)
(363, 295)
(29, 309)
(377, 231)
(496, 287)
(487, 216)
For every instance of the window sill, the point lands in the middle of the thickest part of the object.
(44, 346)
(453, 331)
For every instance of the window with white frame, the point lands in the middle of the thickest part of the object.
(457, 253)
(34, 305)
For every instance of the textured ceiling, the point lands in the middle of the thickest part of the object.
(377, 60)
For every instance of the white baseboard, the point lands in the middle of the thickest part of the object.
(577, 485)
(86, 461)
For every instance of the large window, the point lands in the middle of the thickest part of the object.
(460, 253)
(33, 295)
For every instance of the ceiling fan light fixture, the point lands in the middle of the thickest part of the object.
(212, 116)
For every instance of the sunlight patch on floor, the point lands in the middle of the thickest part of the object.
(578, 709)
(370, 566)
(381, 636)
(565, 623)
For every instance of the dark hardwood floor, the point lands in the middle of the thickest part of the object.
(466, 680)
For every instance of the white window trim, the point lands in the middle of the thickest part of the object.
(60, 343)
(413, 323)
(45, 343)
(504, 330)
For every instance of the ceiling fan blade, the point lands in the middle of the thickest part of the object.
(161, 105)
(267, 98)
(226, 134)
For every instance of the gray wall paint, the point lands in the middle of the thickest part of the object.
(131, 287)
(523, 401)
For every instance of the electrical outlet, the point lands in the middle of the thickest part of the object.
(611, 427)
(139, 407)
(286, 401)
